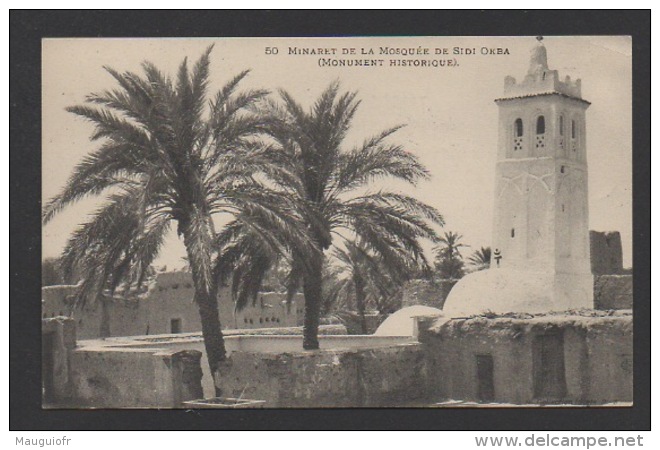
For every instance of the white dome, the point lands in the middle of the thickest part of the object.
(501, 291)
(401, 322)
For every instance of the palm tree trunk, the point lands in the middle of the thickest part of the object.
(312, 285)
(360, 304)
(214, 343)
(206, 298)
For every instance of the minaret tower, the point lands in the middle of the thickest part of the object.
(541, 210)
(540, 241)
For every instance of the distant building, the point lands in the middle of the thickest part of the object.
(606, 252)
(166, 307)
(613, 285)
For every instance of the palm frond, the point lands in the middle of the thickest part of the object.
(245, 256)
(362, 165)
(117, 246)
(480, 258)
(197, 232)
(111, 125)
(401, 202)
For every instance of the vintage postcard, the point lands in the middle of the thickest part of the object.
(337, 222)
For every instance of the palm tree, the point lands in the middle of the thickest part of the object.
(326, 178)
(448, 259)
(369, 278)
(480, 259)
(165, 158)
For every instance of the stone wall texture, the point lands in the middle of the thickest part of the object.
(352, 371)
(125, 378)
(613, 291)
(606, 252)
(58, 343)
(276, 339)
(372, 377)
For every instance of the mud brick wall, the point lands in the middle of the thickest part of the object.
(597, 357)
(610, 361)
(613, 292)
(384, 376)
(263, 337)
(168, 297)
(58, 342)
(606, 252)
(114, 378)
(59, 301)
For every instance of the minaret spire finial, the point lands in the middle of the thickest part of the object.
(538, 61)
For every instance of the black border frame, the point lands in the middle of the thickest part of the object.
(28, 27)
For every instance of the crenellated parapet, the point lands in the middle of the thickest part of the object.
(541, 80)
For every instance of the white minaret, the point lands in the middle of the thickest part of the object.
(541, 217)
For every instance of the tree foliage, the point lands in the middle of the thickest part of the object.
(449, 262)
(327, 187)
(480, 259)
(169, 156)
(369, 280)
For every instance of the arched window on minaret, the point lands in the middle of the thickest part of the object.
(540, 132)
(517, 135)
(573, 130)
(561, 131)
(574, 135)
(540, 125)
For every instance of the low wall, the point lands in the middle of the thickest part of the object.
(290, 344)
(592, 355)
(597, 357)
(613, 292)
(267, 340)
(141, 378)
(58, 341)
(388, 376)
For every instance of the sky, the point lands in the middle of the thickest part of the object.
(449, 113)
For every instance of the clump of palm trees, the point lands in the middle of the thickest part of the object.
(363, 278)
(281, 178)
(449, 262)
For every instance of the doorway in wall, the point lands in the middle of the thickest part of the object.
(548, 367)
(175, 326)
(485, 384)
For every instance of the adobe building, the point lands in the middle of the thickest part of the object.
(166, 306)
(541, 259)
(606, 252)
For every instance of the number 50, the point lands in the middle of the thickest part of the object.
(272, 50)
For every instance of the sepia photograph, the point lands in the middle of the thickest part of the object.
(337, 222)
